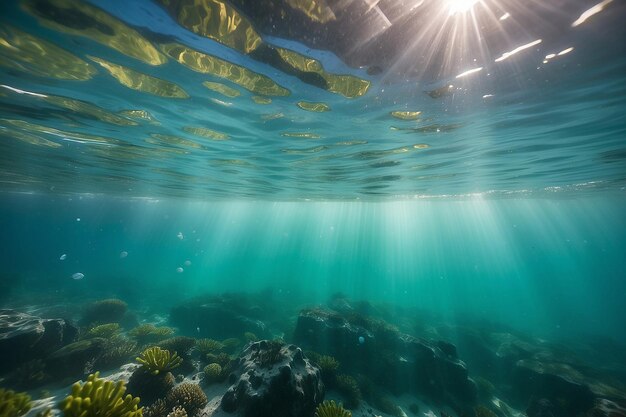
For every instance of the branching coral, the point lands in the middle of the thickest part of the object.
(187, 395)
(104, 330)
(99, 397)
(158, 408)
(212, 373)
(14, 404)
(328, 366)
(157, 360)
(205, 346)
(118, 351)
(331, 409)
(147, 333)
(178, 412)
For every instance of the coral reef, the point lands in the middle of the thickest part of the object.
(149, 333)
(103, 330)
(99, 397)
(179, 344)
(271, 379)
(178, 412)
(158, 408)
(188, 396)
(331, 409)
(205, 346)
(110, 310)
(349, 389)
(117, 351)
(14, 404)
(157, 360)
(223, 358)
(212, 373)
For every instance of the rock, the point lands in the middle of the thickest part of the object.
(397, 361)
(545, 408)
(24, 337)
(218, 317)
(272, 379)
(76, 359)
(607, 408)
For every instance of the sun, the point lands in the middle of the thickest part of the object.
(460, 6)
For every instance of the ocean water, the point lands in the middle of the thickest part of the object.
(435, 176)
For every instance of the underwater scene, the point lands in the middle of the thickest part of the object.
(313, 208)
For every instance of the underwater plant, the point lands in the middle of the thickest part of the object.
(105, 331)
(188, 396)
(99, 397)
(212, 373)
(157, 360)
(331, 409)
(231, 344)
(111, 310)
(349, 389)
(147, 333)
(14, 404)
(179, 344)
(117, 352)
(328, 367)
(205, 346)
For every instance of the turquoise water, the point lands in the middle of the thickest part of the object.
(457, 175)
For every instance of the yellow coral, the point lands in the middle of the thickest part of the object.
(99, 397)
(14, 404)
(331, 409)
(157, 360)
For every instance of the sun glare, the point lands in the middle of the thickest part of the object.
(460, 6)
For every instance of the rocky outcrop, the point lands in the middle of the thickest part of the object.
(397, 361)
(76, 359)
(221, 316)
(24, 337)
(273, 379)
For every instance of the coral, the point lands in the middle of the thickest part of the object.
(99, 397)
(250, 337)
(331, 409)
(117, 352)
(104, 311)
(148, 333)
(212, 373)
(205, 346)
(14, 404)
(157, 409)
(103, 330)
(178, 412)
(189, 396)
(157, 360)
(349, 389)
(223, 358)
(180, 344)
(231, 344)
(328, 367)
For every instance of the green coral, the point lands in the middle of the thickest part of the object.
(148, 333)
(349, 389)
(205, 346)
(180, 344)
(212, 372)
(331, 409)
(102, 398)
(189, 396)
(105, 331)
(105, 311)
(14, 404)
(157, 360)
